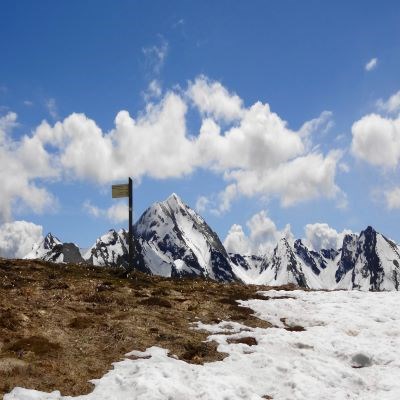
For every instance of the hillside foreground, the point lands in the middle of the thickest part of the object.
(63, 325)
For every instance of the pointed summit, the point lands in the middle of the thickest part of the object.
(174, 202)
(50, 241)
(176, 241)
(41, 248)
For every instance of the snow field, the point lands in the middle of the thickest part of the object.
(349, 350)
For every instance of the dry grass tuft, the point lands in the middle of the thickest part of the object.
(250, 341)
(156, 301)
(36, 344)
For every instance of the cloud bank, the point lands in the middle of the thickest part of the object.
(17, 238)
(251, 148)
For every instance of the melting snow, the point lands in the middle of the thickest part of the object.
(350, 349)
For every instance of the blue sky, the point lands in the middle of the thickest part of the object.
(216, 59)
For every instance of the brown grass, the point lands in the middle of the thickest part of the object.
(62, 325)
(250, 341)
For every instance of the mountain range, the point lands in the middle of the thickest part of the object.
(171, 239)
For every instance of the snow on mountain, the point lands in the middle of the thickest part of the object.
(177, 242)
(52, 249)
(42, 248)
(108, 250)
(170, 239)
(111, 249)
(375, 263)
(368, 261)
(245, 267)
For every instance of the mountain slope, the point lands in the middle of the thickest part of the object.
(172, 240)
(111, 249)
(373, 263)
(52, 249)
(42, 248)
(178, 242)
(368, 261)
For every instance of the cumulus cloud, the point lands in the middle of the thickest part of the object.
(262, 238)
(117, 213)
(263, 232)
(392, 198)
(376, 140)
(17, 238)
(259, 155)
(213, 99)
(371, 64)
(322, 236)
(236, 241)
(391, 105)
(22, 164)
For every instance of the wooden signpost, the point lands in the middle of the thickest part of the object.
(125, 190)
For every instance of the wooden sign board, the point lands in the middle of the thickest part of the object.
(120, 191)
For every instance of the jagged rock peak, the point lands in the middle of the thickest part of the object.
(174, 203)
(50, 241)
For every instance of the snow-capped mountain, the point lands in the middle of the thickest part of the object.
(170, 239)
(40, 249)
(177, 242)
(368, 261)
(52, 249)
(111, 249)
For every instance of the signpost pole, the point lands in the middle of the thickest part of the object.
(130, 235)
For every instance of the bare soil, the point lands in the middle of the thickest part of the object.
(63, 324)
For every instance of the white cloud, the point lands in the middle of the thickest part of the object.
(263, 236)
(28, 103)
(376, 140)
(155, 55)
(263, 233)
(7, 123)
(52, 108)
(213, 99)
(258, 156)
(202, 203)
(236, 241)
(371, 64)
(17, 238)
(323, 124)
(392, 198)
(344, 167)
(322, 236)
(117, 213)
(22, 164)
(155, 144)
(225, 199)
(153, 90)
(391, 105)
(298, 180)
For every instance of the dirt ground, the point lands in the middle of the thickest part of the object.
(62, 325)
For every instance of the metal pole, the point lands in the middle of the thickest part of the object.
(130, 238)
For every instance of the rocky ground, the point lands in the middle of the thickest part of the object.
(62, 324)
